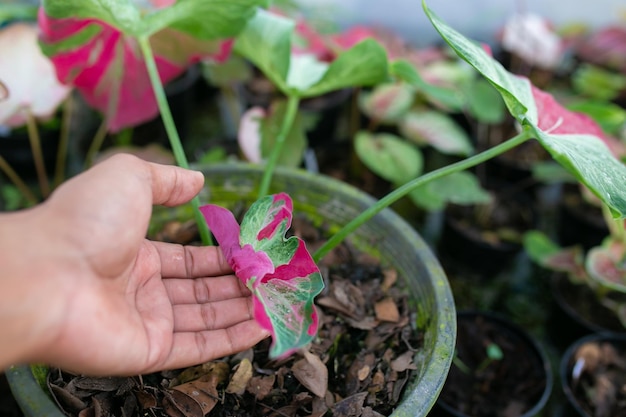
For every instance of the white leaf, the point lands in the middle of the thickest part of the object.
(28, 75)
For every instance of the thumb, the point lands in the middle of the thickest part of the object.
(172, 185)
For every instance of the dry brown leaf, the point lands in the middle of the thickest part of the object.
(386, 310)
(367, 323)
(202, 390)
(312, 373)
(240, 379)
(196, 372)
(351, 406)
(403, 362)
(390, 278)
(261, 386)
(363, 372)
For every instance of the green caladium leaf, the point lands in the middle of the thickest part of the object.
(591, 162)
(295, 143)
(363, 65)
(429, 127)
(280, 272)
(446, 97)
(389, 156)
(515, 91)
(267, 43)
(459, 188)
(484, 102)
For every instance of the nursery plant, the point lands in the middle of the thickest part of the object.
(601, 268)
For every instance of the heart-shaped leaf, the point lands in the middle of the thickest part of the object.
(280, 273)
(388, 156)
(267, 43)
(93, 45)
(460, 188)
(429, 127)
(441, 96)
(387, 102)
(514, 90)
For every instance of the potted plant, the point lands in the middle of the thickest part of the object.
(590, 372)
(581, 153)
(588, 284)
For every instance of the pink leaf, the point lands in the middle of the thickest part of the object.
(108, 69)
(554, 118)
(28, 77)
(283, 278)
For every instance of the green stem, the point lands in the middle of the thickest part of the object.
(17, 181)
(292, 109)
(35, 144)
(417, 182)
(96, 144)
(60, 168)
(172, 133)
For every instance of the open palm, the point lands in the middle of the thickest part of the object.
(133, 305)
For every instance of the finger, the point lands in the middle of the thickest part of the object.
(179, 261)
(191, 348)
(172, 185)
(204, 290)
(211, 316)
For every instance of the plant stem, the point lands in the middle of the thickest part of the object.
(417, 182)
(61, 161)
(17, 181)
(35, 145)
(96, 144)
(172, 133)
(292, 109)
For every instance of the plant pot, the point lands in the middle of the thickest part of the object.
(595, 366)
(578, 312)
(486, 238)
(518, 384)
(580, 222)
(333, 203)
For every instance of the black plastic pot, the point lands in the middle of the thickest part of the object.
(333, 203)
(519, 384)
(578, 377)
(578, 313)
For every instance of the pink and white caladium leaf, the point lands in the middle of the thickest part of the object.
(605, 264)
(29, 80)
(280, 273)
(94, 47)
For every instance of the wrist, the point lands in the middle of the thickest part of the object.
(31, 278)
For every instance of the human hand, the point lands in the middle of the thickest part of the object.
(108, 301)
